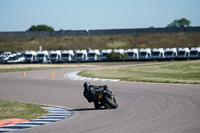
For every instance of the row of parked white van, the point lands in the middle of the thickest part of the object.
(93, 55)
(8, 57)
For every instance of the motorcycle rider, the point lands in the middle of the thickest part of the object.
(91, 90)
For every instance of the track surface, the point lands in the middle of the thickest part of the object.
(143, 107)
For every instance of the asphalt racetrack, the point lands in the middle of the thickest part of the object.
(143, 107)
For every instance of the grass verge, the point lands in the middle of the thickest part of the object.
(20, 110)
(26, 67)
(187, 72)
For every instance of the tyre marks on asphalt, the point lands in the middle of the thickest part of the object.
(55, 114)
(74, 76)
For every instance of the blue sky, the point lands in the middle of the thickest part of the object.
(19, 15)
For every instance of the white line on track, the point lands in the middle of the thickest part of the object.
(74, 76)
(55, 114)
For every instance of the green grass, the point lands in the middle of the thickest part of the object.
(187, 72)
(23, 69)
(26, 111)
(26, 67)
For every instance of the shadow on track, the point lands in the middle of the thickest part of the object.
(87, 109)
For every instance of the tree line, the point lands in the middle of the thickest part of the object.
(178, 23)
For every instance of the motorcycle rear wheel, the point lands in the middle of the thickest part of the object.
(96, 104)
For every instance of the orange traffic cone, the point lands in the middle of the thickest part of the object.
(52, 75)
(24, 74)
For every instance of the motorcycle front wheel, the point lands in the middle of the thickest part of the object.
(111, 102)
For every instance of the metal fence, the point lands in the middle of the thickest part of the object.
(96, 32)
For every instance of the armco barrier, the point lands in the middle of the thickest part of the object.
(96, 32)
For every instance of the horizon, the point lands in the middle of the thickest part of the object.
(104, 29)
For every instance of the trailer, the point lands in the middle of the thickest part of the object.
(157, 53)
(67, 55)
(145, 53)
(183, 52)
(30, 56)
(93, 55)
(43, 56)
(105, 53)
(132, 53)
(81, 55)
(55, 56)
(195, 52)
(171, 53)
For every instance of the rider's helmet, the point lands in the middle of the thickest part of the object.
(86, 84)
(105, 87)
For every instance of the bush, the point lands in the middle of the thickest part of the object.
(116, 56)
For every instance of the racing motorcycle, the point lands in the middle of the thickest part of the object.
(100, 95)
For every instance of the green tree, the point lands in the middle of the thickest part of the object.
(114, 56)
(183, 22)
(117, 56)
(41, 27)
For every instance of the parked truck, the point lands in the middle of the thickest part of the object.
(157, 53)
(67, 55)
(105, 53)
(55, 56)
(171, 53)
(132, 53)
(30, 56)
(183, 52)
(120, 52)
(43, 56)
(93, 55)
(81, 55)
(195, 52)
(145, 53)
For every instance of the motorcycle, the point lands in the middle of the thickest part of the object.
(100, 95)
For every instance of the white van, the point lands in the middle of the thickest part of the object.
(93, 55)
(81, 55)
(171, 53)
(3, 56)
(43, 56)
(105, 53)
(145, 53)
(17, 58)
(67, 55)
(9, 58)
(183, 52)
(132, 53)
(30, 56)
(157, 53)
(195, 52)
(6, 54)
(55, 56)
